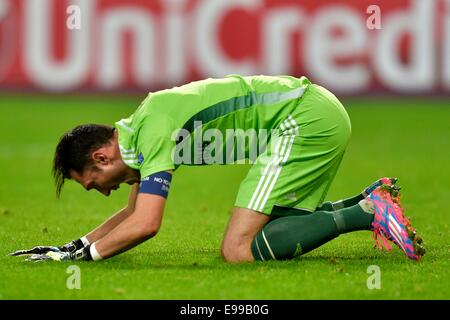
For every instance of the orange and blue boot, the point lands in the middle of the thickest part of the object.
(391, 224)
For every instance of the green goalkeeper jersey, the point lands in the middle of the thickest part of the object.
(170, 126)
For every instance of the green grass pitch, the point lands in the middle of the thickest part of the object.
(404, 137)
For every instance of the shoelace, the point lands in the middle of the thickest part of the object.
(377, 234)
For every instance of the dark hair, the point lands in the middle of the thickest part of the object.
(74, 149)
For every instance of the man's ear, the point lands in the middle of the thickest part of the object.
(99, 157)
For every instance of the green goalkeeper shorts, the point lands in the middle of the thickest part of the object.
(300, 163)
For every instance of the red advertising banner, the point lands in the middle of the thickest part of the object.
(399, 46)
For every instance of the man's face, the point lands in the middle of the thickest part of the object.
(102, 178)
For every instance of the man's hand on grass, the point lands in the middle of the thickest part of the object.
(73, 250)
(51, 255)
(35, 250)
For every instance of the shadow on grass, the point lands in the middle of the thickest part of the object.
(207, 260)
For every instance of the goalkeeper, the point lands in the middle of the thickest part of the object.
(279, 210)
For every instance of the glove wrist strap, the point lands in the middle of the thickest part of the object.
(94, 253)
(82, 254)
(84, 241)
(75, 245)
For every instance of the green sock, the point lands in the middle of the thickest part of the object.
(333, 206)
(346, 203)
(291, 236)
(278, 211)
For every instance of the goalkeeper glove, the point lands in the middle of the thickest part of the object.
(59, 255)
(70, 247)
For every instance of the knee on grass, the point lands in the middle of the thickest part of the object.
(235, 253)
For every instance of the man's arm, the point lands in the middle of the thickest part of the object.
(116, 219)
(142, 224)
(94, 235)
(128, 229)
